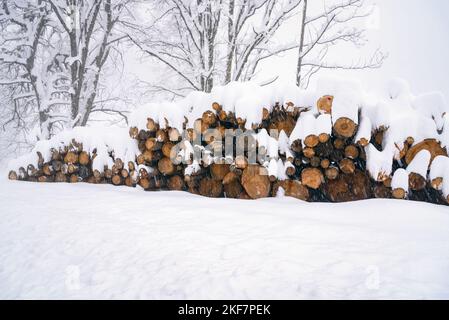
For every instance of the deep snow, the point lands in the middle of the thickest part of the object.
(100, 241)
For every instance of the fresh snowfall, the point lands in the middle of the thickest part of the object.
(100, 241)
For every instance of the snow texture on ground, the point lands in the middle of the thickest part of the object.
(100, 241)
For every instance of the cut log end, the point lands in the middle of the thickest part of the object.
(347, 166)
(351, 152)
(323, 137)
(416, 181)
(399, 193)
(256, 182)
(324, 104)
(216, 106)
(362, 142)
(437, 183)
(133, 132)
(152, 126)
(311, 141)
(345, 127)
(312, 177)
(12, 175)
(71, 157)
(331, 173)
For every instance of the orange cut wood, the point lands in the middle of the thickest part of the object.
(312, 177)
(324, 104)
(345, 127)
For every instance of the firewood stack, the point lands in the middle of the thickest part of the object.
(73, 164)
(327, 166)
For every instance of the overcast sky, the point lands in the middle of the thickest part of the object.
(413, 32)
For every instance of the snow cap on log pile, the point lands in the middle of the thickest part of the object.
(400, 180)
(308, 125)
(438, 169)
(348, 97)
(420, 163)
(105, 140)
(378, 163)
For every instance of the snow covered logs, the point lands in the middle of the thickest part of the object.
(304, 157)
(314, 157)
(72, 164)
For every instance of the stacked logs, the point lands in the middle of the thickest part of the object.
(326, 166)
(73, 164)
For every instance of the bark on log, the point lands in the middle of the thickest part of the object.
(296, 146)
(210, 188)
(431, 145)
(176, 183)
(230, 177)
(292, 188)
(233, 189)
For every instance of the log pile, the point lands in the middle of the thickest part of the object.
(72, 164)
(324, 166)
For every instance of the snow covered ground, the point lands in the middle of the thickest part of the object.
(100, 241)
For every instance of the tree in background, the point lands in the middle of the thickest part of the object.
(332, 25)
(52, 59)
(209, 42)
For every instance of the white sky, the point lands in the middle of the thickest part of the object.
(413, 32)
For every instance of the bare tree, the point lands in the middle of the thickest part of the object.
(53, 58)
(319, 32)
(252, 25)
(184, 39)
(206, 42)
(35, 78)
(89, 26)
